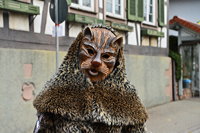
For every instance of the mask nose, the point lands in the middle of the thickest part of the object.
(96, 61)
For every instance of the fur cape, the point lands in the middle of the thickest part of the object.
(70, 94)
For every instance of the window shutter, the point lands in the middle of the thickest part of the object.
(132, 15)
(135, 10)
(161, 13)
(140, 10)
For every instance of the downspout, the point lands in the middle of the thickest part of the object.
(180, 84)
(199, 67)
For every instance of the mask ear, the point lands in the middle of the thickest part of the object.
(117, 42)
(87, 32)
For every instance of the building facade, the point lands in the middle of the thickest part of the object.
(27, 50)
(185, 28)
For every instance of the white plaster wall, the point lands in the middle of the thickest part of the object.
(50, 25)
(100, 15)
(38, 19)
(100, 3)
(74, 29)
(163, 40)
(123, 34)
(132, 36)
(166, 12)
(173, 32)
(18, 21)
(185, 33)
(1, 19)
(186, 9)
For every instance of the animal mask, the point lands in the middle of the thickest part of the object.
(98, 52)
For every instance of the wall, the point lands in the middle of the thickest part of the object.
(151, 75)
(134, 35)
(186, 9)
(162, 41)
(18, 21)
(38, 18)
(17, 115)
(75, 28)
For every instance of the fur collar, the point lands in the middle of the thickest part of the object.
(93, 104)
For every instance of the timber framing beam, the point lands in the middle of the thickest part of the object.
(29, 40)
(37, 41)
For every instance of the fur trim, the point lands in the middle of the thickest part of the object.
(94, 104)
(69, 93)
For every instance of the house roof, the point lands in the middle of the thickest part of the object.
(184, 23)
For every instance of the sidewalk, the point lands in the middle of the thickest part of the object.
(175, 117)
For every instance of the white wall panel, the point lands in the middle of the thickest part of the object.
(74, 29)
(38, 19)
(1, 19)
(134, 35)
(18, 21)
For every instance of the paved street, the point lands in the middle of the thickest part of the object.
(175, 117)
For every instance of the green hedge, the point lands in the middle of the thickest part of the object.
(177, 58)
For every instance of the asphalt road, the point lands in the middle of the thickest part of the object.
(175, 117)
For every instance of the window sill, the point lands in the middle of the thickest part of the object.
(115, 17)
(153, 27)
(83, 9)
(149, 23)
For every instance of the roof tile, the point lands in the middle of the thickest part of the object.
(185, 23)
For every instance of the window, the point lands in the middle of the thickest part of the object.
(149, 12)
(114, 8)
(83, 4)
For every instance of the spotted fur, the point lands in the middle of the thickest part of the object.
(71, 100)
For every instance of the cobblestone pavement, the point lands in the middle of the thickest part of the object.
(175, 117)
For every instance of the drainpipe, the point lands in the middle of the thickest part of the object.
(199, 66)
(180, 86)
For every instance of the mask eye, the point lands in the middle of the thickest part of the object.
(105, 56)
(90, 51)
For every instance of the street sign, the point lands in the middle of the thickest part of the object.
(60, 31)
(58, 13)
(62, 10)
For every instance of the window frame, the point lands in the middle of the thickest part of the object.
(147, 3)
(81, 6)
(113, 14)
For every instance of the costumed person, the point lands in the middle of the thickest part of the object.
(90, 92)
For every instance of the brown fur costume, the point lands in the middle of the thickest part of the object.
(71, 103)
